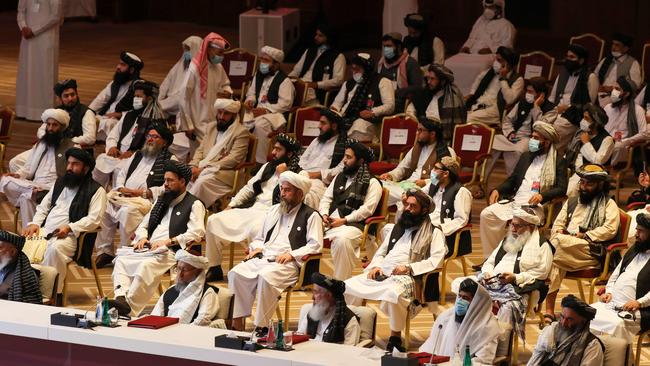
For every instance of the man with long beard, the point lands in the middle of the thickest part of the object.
(244, 215)
(46, 162)
(117, 96)
(291, 231)
(18, 280)
(328, 318)
(582, 230)
(74, 205)
(175, 221)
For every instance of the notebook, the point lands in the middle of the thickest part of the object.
(152, 322)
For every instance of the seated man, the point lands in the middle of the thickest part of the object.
(291, 231)
(352, 197)
(175, 222)
(136, 186)
(18, 280)
(517, 125)
(539, 176)
(269, 97)
(73, 205)
(322, 160)
(415, 169)
(364, 100)
(328, 318)
(28, 185)
(400, 68)
(627, 290)
(223, 147)
(495, 89)
(420, 45)
(190, 299)
(117, 97)
(618, 62)
(569, 340)
(582, 230)
(413, 248)
(244, 216)
(321, 67)
(470, 323)
(83, 127)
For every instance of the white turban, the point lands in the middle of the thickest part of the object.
(530, 218)
(299, 181)
(275, 53)
(547, 130)
(59, 115)
(191, 259)
(228, 105)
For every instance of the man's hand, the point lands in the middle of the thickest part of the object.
(337, 222)
(484, 51)
(536, 199)
(14, 175)
(507, 278)
(281, 168)
(632, 305)
(27, 32)
(259, 112)
(503, 73)
(284, 258)
(374, 272)
(580, 235)
(420, 183)
(126, 155)
(644, 180)
(253, 253)
(562, 108)
(401, 270)
(30, 230)
(326, 220)
(113, 152)
(314, 175)
(224, 94)
(249, 104)
(160, 243)
(464, 50)
(128, 192)
(606, 298)
(62, 231)
(366, 114)
(494, 197)
(140, 244)
(585, 138)
(196, 171)
(385, 176)
(540, 100)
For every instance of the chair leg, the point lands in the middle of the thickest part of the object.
(278, 313)
(16, 214)
(64, 295)
(287, 303)
(592, 289)
(464, 264)
(232, 256)
(515, 349)
(582, 291)
(639, 345)
(407, 332)
(100, 290)
(443, 284)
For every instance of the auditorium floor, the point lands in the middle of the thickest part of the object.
(89, 52)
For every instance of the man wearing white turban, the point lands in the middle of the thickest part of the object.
(291, 232)
(224, 146)
(269, 97)
(46, 162)
(190, 299)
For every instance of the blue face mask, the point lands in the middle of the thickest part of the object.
(461, 306)
(533, 145)
(434, 179)
(389, 52)
(187, 56)
(216, 59)
(265, 68)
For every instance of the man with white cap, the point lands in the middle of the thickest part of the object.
(190, 299)
(225, 144)
(291, 231)
(269, 97)
(46, 162)
(117, 97)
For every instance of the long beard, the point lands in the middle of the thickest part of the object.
(180, 286)
(170, 195)
(121, 77)
(151, 150)
(285, 206)
(325, 136)
(52, 139)
(280, 160)
(409, 220)
(320, 311)
(4, 261)
(642, 246)
(71, 179)
(587, 197)
(514, 244)
(70, 107)
(350, 170)
(223, 125)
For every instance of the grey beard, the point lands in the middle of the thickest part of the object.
(150, 151)
(180, 286)
(320, 311)
(285, 207)
(513, 245)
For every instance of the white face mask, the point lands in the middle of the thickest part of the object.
(357, 76)
(530, 98)
(616, 95)
(496, 66)
(584, 125)
(137, 103)
(489, 14)
(616, 54)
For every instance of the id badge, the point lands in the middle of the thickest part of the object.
(535, 187)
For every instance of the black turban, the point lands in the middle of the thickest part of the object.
(431, 125)
(580, 51)
(132, 60)
(63, 85)
(82, 155)
(598, 115)
(468, 285)
(329, 32)
(361, 151)
(625, 39)
(364, 60)
(626, 84)
(15, 240)
(289, 143)
(149, 87)
(332, 116)
(643, 219)
(415, 20)
(180, 169)
(163, 131)
(511, 56)
(582, 308)
(336, 287)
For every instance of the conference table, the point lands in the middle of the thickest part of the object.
(28, 338)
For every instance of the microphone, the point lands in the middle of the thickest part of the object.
(433, 351)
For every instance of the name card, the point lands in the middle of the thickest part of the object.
(532, 71)
(471, 143)
(237, 68)
(398, 136)
(311, 128)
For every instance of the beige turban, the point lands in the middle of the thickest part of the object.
(275, 53)
(191, 259)
(301, 182)
(228, 105)
(547, 130)
(451, 164)
(59, 115)
(530, 218)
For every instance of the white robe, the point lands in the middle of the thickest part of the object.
(617, 125)
(107, 124)
(208, 305)
(332, 80)
(351, 333)
(317, 157)
(610, 78)
(38, 64)
(107, 166)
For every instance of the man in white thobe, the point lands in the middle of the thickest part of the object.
(38, 61)
(352, 197)
(269, 97)
(74, 205)
(175, 222)
(618, 62)
(291, 232)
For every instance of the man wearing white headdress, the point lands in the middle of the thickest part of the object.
(190, 299)
(270, 96)
(44, 165)
(224, 146)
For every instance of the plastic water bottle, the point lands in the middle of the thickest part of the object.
(279, 343)
(456, 361)
(467, 361)
(270, 337)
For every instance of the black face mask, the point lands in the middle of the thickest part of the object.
(571, 65)
(53, 138)
(325, 136)
(121, 77)
(223, 125)
(72, 180)
(410, 220)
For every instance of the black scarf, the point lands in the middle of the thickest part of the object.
(359, 99)
(158, 212)
(358, 190)
(126, 103)
(482, 87)
(25, 284)
(267, 173)
(604, 68)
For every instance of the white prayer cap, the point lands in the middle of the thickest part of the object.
(59, 115)
(530, 218)
(228, 105)
(191, 259)
(274, 53)
(299, 181)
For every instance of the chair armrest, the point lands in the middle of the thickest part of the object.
(558, 199)
(375, 219)
(617, 246)
(310, 257)
(634, 206)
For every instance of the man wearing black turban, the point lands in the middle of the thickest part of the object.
(82, 127)
(18, 280)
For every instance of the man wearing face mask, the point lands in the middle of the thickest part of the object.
(117, 97)
(643, 99)
(517, 125)
(539, 176)
(352, 197)
(469, 323)
(419, 43)
(591, 144)
(267, 100)
(364, 99)
(400, 68)
(618, 63)
(321, 67)
(582, 230)
(495, 89)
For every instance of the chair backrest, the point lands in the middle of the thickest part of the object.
(240, 65)
(382, 206)
(252, 149)
(307, 121)
(3, 149)
(7, 116)
(645, 62)
(536, 63)
(593, 44)
(471, 141)
(226, 301)
(624, 227)
(367, 321)
(397, 135)
(301, 94)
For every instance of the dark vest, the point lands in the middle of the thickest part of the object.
(596, 141)
(128, 123)
(156, 176)
(447, 211)
(124, 104)
(329, 335)
(523, 111)
(426, 53)
(172, 294)
(297, 234)
(579, 95)
(75, 128)
(341, 196)
(178, 223)
(373, 91)
(483, 85)
(642, 285)
(324, 65)
(274, 89)
(538, 285)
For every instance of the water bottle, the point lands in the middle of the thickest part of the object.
(99, 309)
(455, 361)
(467, 361)
(279, 342)
(106, 319)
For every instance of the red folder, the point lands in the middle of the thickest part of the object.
(152, 322)
(424, 357)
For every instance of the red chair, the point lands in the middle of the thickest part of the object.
(472, 142)
(539, 59)
(233, 62)
(298, 102)
(593, 44)
(306, 115)
(391, 152)
(645, 62)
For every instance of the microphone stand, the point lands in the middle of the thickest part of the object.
(435, 344)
